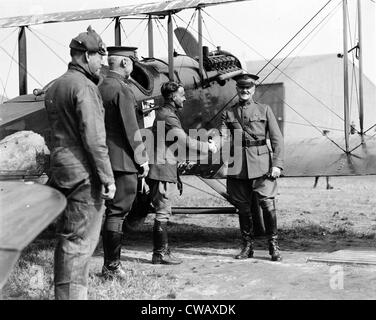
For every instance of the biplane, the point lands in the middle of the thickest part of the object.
(207, 76)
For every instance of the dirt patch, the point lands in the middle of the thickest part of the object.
(212, 273)
(311, 222)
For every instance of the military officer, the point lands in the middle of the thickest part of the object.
(126, 150)
(258, 169)
(80, 165)
(163, 173)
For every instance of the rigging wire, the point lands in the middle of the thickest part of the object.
(10, 67)
(112, 20)
(11, 32)
(202, 190)
(6, 81)
(207, 30)
(178, 45)
(206, 39)
(294, 58)
(143, 35)
(296, 34)
(135, 28)
(160, 33)
(193, 18)
(47, 36)
(285, 75)
(3, 96)
(370, 128)
(164, 28)
(314, 126)
(122, 28)
(28, 73)
(362, 143)
(353, 76)
(318, 25)
(246, 44)
(52, 50)
(236, 36)
(308, 125)
(299, 85)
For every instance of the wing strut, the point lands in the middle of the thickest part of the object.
(22, 61)
(345, 77)
(170, 48)
(200, 54)
(150, 37)
(361, 113)
(117, 31)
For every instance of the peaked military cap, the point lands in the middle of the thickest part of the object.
(246, 80)
(129, 52)
(89, 41)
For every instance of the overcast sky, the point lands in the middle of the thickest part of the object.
(251, 30)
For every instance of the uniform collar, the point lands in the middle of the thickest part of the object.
(115, 75)
(244, 103)
(171, 105)
(79, 68)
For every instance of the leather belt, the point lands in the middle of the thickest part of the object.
(253, 143)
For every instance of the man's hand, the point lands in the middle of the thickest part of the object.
(276, 172)
(108, 191)
(145, 170)
(212, 146)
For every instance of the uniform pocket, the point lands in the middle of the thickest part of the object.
(262, 150)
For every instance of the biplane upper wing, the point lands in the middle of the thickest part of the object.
(158, 8)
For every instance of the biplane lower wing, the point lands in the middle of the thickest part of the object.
(322, 157)
(20, 107)
(307, 158)
(26, 209)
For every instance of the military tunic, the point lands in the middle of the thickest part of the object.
(249, 174)
(259, 119)
(163, 172)
(126, 149)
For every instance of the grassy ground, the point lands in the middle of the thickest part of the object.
(309, 220)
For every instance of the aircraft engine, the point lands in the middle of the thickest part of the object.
(221, 65)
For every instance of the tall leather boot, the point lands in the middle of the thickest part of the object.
(112, 267)
(270, 219)
(161, 251)
(246, 230)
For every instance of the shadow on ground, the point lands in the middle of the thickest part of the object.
(310, 237)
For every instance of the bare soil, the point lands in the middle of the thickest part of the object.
(312, 222)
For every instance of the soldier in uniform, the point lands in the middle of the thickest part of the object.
(127, 153)
(163, 174)
(80, 165)
(259, 168)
